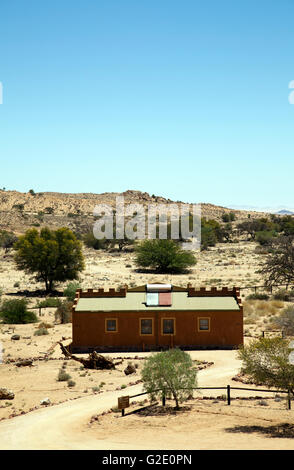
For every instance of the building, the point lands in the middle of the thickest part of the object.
(156, 316)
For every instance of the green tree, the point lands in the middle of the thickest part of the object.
(15, 311)
(53, 256)
(171, 373)
(165, 256)
(266, 361)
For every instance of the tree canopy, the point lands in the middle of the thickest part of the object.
(164, 256)
(266, 361)
(170, 372)
(52, 255)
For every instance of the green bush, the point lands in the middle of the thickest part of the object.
(70, 290)
(41, 332)
(71, 383)
(257, 296)
(49, 302)
(63, 376)
(164, 256)
(15, 312)
(97, 244)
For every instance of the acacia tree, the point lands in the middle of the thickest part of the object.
(53, 256)
(266, 361)
(165, 256)
(279, 266)
(171, 373)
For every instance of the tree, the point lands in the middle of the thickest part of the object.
(285, 320)
(170, 373)
(279, 266)
(165, 256)
(15, 311)
(266, 361)
(7, 240)
(53, 256)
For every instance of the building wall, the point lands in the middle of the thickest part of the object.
(226, 330)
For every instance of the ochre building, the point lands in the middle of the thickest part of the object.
(154, 317)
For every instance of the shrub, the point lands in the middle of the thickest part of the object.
(63, 376)
(41, 332)
(285, 320)
(71, 383)
(63, 312)
(15, 312)
(97, 244)
(49, 302)
(257, 296)
(284, 294)
(70, 290)
(44, 324)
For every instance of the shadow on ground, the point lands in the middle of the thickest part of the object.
(284, 430)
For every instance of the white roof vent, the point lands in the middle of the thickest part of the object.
(158, 287)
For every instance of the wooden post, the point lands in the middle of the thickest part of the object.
(163, 399)
(123, 412)
(289, 400)
(229, 394)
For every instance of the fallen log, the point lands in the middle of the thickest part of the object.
(94, 360)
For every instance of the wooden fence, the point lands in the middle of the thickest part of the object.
(125, 399)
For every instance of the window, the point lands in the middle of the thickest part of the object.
(203, 324)
(146, 326)
(168, 326)
(111, 325)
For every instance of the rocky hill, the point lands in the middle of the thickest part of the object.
(20, 211)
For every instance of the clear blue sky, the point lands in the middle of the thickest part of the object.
(186, 99)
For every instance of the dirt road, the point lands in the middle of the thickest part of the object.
(64, 426)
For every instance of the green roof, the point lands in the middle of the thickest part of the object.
(135, 301)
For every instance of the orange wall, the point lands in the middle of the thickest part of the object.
(226, 330)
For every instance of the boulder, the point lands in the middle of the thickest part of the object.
(6, 394)
(45, 401)
(130, 369)
(15, 337)
(24, 362)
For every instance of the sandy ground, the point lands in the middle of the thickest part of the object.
(65, 424)
(208, 425)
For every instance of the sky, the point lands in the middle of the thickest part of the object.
(185, 99)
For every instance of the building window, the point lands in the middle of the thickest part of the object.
(203, 324)
(146, 326)
(168, 326)
(111, 325)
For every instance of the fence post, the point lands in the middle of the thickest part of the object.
(289, 400)
(229, 394)
(163, 398)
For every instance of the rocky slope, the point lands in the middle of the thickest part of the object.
(20, 211)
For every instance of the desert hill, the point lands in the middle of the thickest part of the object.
(20, 211)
